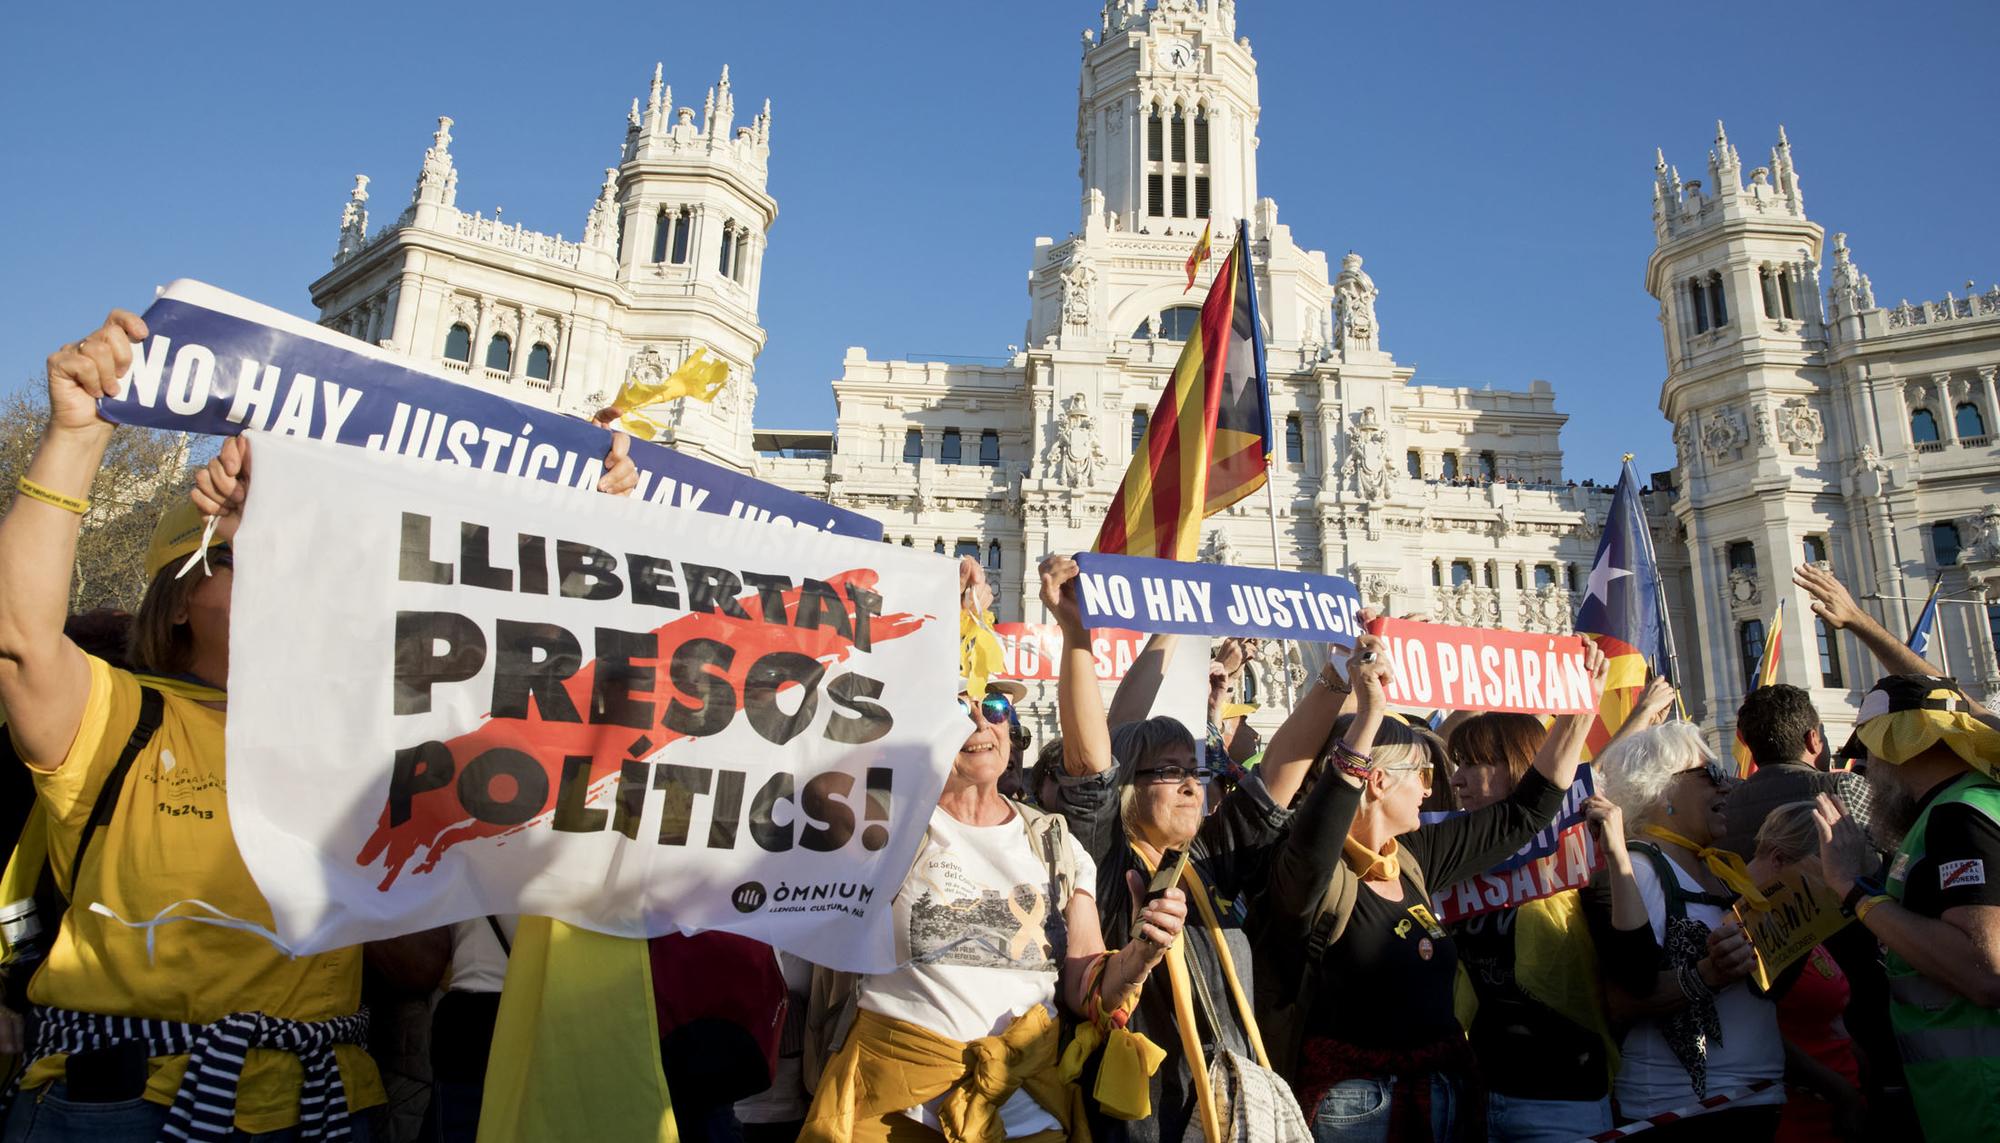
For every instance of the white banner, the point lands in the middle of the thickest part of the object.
(455, 693)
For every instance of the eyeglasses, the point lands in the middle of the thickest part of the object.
(1172, 774)
(1422, 770)
(995, 709)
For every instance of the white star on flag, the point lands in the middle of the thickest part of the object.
(1600, 581)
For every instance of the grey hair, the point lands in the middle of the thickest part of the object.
(1634, 771)
(1789, 833)
(1136, 742)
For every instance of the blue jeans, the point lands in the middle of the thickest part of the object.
(1510, 1120)
(46, 1117)
(1357, 1110)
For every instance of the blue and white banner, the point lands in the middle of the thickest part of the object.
(216, 363)
(1216, 599)
(1560, 857)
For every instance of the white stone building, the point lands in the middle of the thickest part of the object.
(1441, 502)
(1836, 431)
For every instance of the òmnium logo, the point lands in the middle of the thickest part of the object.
(850, 897)
(748, 897)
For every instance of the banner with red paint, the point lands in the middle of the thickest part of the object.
(1033, 651)
(1481, 668)
(453, 694)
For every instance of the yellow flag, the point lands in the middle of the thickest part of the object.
(576, 1047)
(700, 377)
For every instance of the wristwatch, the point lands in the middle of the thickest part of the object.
(1864, 888)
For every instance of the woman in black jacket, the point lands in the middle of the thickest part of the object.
(1348, 901)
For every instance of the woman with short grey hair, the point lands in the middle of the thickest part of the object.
(1703, 1030)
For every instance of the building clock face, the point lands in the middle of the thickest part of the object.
(1180, 55)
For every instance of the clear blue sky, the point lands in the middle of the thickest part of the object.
(1492, 162)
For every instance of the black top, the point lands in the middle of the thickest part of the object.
(1231, 854)
(1397, 947)
(1961, 859)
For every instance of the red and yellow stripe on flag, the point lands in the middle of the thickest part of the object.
(1209, 441)
(1623, 681)
(1767, 674)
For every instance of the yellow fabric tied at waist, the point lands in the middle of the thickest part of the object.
(1124, 1077)
(889, 1066)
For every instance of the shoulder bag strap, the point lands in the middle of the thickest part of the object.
(499, 934)
(152, 707)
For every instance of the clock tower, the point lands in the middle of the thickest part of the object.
(1167, 114)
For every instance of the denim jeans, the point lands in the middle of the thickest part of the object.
(46, 1117)
(1357, 1110)
(1510, 1120)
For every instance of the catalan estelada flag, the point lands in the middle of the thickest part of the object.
(1621, 609)
(1767, 675)
(1199, 255)
(1209, 441)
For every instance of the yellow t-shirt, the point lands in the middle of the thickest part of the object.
(170, 841)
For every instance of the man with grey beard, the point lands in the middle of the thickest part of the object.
(1932, 754)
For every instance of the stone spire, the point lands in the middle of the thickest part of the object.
(600, 230)
(437, 183)
(353, 220)
(1785, 174)
(1724, 165)
(1852, 292)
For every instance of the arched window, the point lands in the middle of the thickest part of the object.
(1718, 309)
(913, 446)
(1295, 440)
(1750, 645)
(948, 448)
(1179, 322)
(993, 565)
(500, 353)
(458, 343)
(1138, 428)
(1489, 465)
(1698, 305)
(1413, 463)
(1768, 279)
(683, 234)
(1945, 543)
(909, 542)
(1923, 426)
(727, 259)
(966, 548)
(1461, 572)
(1545, 576)
(1201, 137)
(1155, 136)
(1970, 423)
(989, 448)
(1570, 575)
(939, 546)
(1743, 556)
(1815, 549)
(1450, 469)
(663, 232)
(1829, 654)
(540, 361)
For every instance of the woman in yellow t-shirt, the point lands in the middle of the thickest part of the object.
(160, 1004)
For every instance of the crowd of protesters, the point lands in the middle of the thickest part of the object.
(1208, 936)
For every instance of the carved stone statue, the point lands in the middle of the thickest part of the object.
(1852, 292)
(1760, 419)
(1985, 545)
(1799, 426)
(1077, 283)
(1073, 454)
(1354, 295)
(1684, 440)
(1220, 549)
(1367, 463)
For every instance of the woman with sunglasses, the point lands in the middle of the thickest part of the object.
(996, 925)
(1136, 793)
(1702, 1029)
(166, 961)
(1362, 972)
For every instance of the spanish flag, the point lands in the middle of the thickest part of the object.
(1767, 675)
(1200, 254)
(1210, 438)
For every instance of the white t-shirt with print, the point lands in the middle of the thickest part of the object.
(978, 940)
(1650, 1078)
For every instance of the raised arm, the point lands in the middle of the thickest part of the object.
(1656, 701)
(1562, 749)
(1289, 756)
(44, 678)
(1832, 602)
(1305, 863)
(1079, 705)
(1141, 685)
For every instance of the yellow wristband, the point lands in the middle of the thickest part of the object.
(35, 491)
(1861, 910)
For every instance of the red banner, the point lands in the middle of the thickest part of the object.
(1030, 651)
(1479, 668)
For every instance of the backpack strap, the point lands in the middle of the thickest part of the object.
(152, 707)
(1336, 908)
(500, 934)
(1049, 835)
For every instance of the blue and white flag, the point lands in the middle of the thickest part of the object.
(1920, 635)
(216, 363)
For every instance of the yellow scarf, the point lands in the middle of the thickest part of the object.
(1727, 867)
(1369, 865)
(1181, 983)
